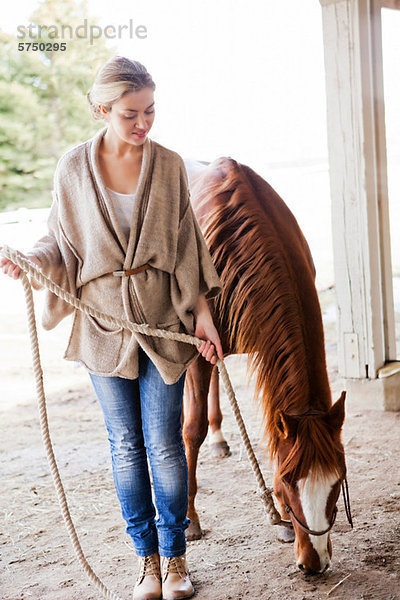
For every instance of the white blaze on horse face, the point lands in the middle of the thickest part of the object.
(314, 493)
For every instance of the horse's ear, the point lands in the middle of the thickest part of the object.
(336, 413)
(285, 424)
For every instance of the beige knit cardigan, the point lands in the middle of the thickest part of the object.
(85, 244)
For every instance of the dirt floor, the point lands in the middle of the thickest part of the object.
(239, 556)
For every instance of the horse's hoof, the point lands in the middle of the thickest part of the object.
(220, 449)
(194, 532)
(285, 534)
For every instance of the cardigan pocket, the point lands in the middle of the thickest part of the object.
(102, 326)
(97, 347)
(169, 323)
(173, 351)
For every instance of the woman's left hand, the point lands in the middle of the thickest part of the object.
(206, 330)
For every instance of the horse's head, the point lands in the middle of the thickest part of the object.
(309, 472)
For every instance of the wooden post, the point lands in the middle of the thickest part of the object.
(358, 176)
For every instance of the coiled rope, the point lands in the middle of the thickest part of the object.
(29, 268)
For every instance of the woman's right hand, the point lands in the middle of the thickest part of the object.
(13, 270)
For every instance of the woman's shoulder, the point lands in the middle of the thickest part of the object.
(72, 157)
(167, 153)
(171, 165)
(77, 155)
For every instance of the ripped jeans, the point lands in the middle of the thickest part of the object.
(143, 420)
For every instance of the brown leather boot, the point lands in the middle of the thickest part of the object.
(176, 584)
(148, 582)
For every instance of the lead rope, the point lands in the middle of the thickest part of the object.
(346, 500)
(30, 268)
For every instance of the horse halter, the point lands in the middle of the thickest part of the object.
(304, 527)
(346, 499)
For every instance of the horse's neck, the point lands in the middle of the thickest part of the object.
(320, 403)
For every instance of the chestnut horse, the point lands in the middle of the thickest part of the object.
(269, 310)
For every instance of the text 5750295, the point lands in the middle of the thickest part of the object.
(42, 46)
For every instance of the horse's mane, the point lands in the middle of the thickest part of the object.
(255, 241)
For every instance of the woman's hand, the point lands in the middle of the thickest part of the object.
(206, 330)
(13, 270)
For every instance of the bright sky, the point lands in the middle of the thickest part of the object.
(229, 81)
(233, 81)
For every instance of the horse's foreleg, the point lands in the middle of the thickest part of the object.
(195, 425)
(218, 444)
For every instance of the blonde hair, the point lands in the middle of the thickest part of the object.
(118, 76)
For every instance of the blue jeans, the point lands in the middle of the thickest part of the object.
(143, 420)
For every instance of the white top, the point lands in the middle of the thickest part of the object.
(123, 205)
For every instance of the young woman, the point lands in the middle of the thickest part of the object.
(123, 237)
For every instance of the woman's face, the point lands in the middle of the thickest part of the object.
(132, 116)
